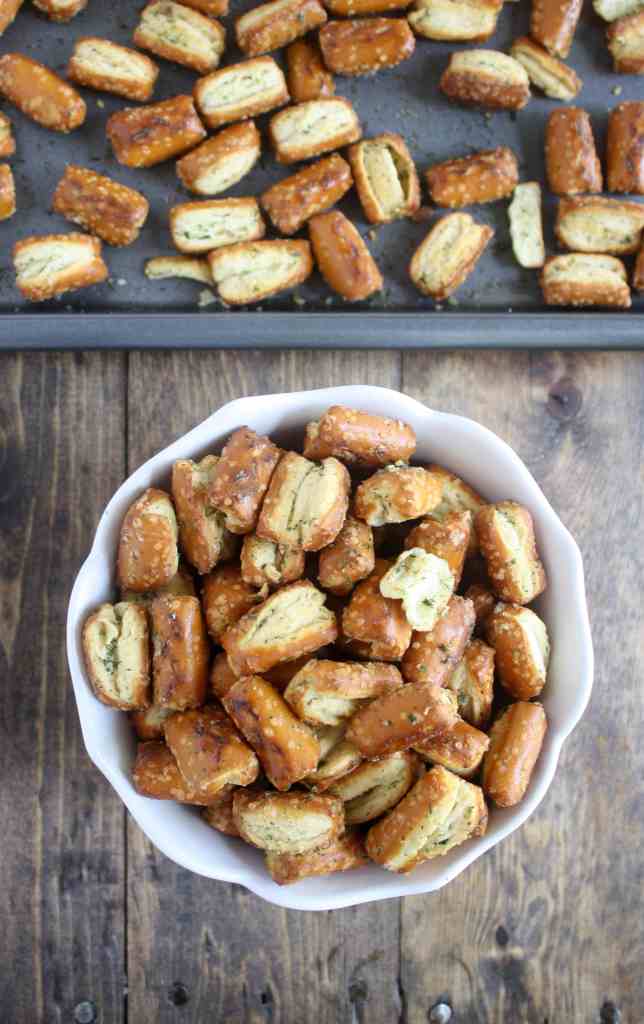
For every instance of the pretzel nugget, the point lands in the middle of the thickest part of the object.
(241, 90)
(210, 752)
(521, 649)
(460, 749)
(439, 813)
(291, 622)
(60, 10)
(274, 25)
(585, 279)
(349, 559)
(599, 224)
(572, 164)
(341, 854)
(179, 34)
(362, 46)
(287, 822)
(337, 762)
(553, 24)
(287, 749)
(448, 539)
(506, 536)
(47, 266)
(146, 136)
(103, 65)
(551, 76)
(396, 494)
(467, 21)
(375, 621)
(117, 658)
(424, 584)
(374, 787)
(192, 269)
(7, 141)
(385, 177)
(265, 563)
(108, 209)
(242, 476)
(202, 532)
(432, 656)
(515, 744)
(180, 652)
(8, 11)
(306, 503)
(526, 226)
(611, 10)
(342, 257)
(472, 681)
(625, 39)
(148, 556)
(625, 148)
(7, 192)
(401, 719)
(448, 255)
(486, 78)
(148, 723)
(156, 774)
(208, 224)
(220, 162)
(251, 271)
(358, 438)
(294, 200)
(309, 129)
(40, 94)
(308, 79)
(479, 178)
(219, 815)
(330, 692)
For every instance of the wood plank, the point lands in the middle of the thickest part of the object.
(61, 869)
(216, 950)
(549, 926)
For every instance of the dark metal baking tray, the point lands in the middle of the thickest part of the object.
(499, 305)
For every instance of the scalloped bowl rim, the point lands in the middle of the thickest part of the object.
(245, 867)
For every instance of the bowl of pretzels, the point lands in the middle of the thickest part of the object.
(328, 646)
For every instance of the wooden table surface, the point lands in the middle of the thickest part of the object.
(99, 926)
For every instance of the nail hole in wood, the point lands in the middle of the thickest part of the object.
(178, 994)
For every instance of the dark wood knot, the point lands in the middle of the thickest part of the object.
(84, 1012)
(564, 399)
(178, 994)
(609, 1013)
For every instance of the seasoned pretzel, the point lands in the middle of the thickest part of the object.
(180, 652)
(310, 129)
(7, 141)
(432, 656)
(210, 752)
(308, 79)
(625, 39)
(117, 657)
(374, 787)
(226, 597)
(287, 749)
(148, 556)
(292, 201)
(288, 822)
(553, 24)
(60, 10)
(448, 539)
(599, 224)
(479, 178)
(401, 719)
(550, 75)
(515, 744)
(376, 622)
(396, 494)
(341, 854)
(242, 476)
(219, 815)
(273, 25)
(180, 34)
(585, 279)
(146, 136)
(330, 692)
(7, 192)
(486, 78)
(250, 271)
(202, 530)
(348, 559)
(473, 683)
(222, 161)
(362, 46)
(306, 503)
(108, 209)
(241, 90)
(148, 723)
(506, 536)
(200, 227)
(526, 226)
(357, 437)
(50, 265)
(40, 94)
(471, 21)
(386, 178)
(448, 254)
(265, 563)
(342, 256)
(460, 749)
(572, 164)
(521, 648)
(103, 65)
(156, 774)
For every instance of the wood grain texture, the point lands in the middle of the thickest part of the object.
(549, 925)
(201, 950)
(61, 868)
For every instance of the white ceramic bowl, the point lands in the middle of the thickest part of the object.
(492, 468)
